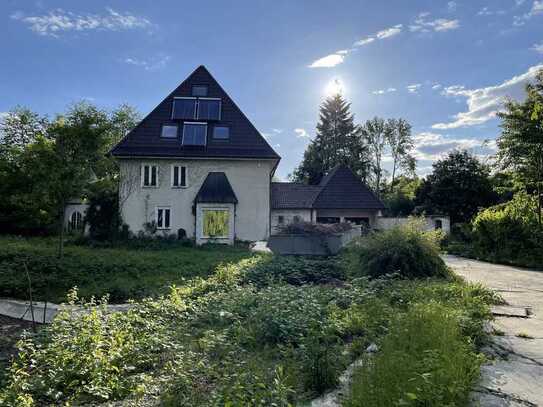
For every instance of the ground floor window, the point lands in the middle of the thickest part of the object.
(76, 221)
(327, 219)
(359, 221)
(216, 223)
(163, 218)
(439, 224)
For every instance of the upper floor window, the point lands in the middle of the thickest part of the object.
(179, 176)
(187, 108)
(199, 90)
(184, 108)
(169, 131)
(221, 133)
(149, 176)
(194, 134)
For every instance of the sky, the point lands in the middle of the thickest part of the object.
(445, 66)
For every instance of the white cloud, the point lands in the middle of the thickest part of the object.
(149, 65)
(422, 24)
(383, 91)
(536, 9)
(381, 35)
(436, 86)
(433, 146)
(538, 47)
(277, 131)
(483, 103)
(302, 133)
(451, 6)
(485, 11)
(414, 88)
(328, 61)
(59, 20)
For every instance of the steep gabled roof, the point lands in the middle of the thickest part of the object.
(216, 189)
(342, 189)
(287, 195)
(245, 140)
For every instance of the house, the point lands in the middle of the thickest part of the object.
(340, 197)
(196, 166)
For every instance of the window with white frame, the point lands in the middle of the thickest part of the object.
(149, 175)
(179, 176)
(163, 217)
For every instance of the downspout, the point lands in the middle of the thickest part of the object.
(272, 173)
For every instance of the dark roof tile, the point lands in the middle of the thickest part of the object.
(216, 189)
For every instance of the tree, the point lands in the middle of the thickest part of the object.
(80, 138)
(400, 197)
(338, 142)
(21, 126)
(520, 145)
(376, 133)
(458, 186)
(400, 142)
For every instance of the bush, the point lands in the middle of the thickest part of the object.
(510, 232)
(423, 361)
(405, 250)
(309, 228)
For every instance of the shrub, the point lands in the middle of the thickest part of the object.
(405, 250)
(510, 232)
(423, 361)
(308, 228)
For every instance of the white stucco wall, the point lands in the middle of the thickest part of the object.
(250, 180)
(288, 216)
(384, 223)
(349, 213)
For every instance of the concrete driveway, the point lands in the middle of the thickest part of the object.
(515, 376)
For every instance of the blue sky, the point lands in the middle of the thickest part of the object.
(445, 66)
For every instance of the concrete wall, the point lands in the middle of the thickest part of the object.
(288, 217)
(349, 213)
(250, 180)
(430, 223)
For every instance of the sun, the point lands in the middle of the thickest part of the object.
(334, 87)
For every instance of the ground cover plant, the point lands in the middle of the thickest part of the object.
(131, 270)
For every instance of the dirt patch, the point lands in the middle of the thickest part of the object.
(10, 332)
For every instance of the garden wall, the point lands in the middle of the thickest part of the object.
(312, 245)
(432, 223)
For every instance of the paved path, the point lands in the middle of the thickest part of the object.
(515, 377)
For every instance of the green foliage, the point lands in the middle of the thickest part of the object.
(121, 272)
(103, 214)
(400, 197)
(404, 250)
(458, 186)
(510, 232)
(423, 360)
(338, 142)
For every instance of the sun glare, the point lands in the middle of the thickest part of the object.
(334, 87)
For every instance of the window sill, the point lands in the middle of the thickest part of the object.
(163, 228)
(149, 186)
(180, 187)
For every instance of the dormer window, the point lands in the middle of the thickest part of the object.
(194, 134)
(199, 90)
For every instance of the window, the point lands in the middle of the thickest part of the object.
(221, 133)
(149, 177)
(280, 220)
(184, 108)
(209, 109)
(199, 90)
(438, 224)
(327, 219)
(216, 223)
(163, 218)
(76, 221)
(296, 219)
(179, 176)
(194, 134)
(169, 131)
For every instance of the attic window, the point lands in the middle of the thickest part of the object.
(194, 134)
(199, 90)
(169, 131)
(221, 133)
(184, 108)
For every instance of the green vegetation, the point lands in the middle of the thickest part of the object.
(404, 250)
(123, 272)
(259, 330)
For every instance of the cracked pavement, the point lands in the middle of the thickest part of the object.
(515, 376)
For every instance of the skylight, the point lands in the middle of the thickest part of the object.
(194, 134)
(184, 108)
(209, 109)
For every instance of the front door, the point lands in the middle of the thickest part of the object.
(215, 223)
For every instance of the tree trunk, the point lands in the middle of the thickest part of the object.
(393, 175)
(61, 231)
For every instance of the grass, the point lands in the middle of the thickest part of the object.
(123, 273)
